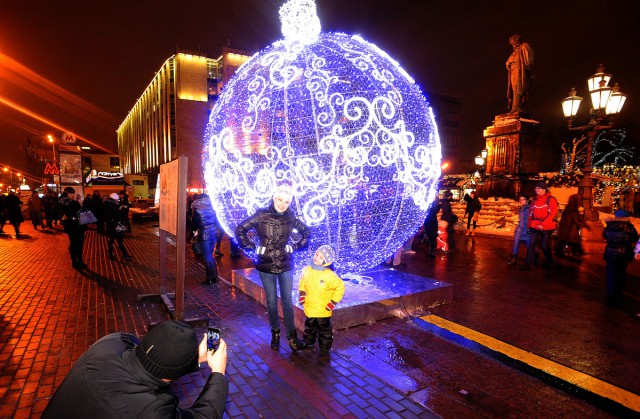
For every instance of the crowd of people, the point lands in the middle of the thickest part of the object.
(46, 211)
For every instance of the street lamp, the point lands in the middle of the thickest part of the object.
(480, 160)
(53, 146)
(607, 102)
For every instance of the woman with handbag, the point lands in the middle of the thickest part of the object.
(116, 225)
(70, 207)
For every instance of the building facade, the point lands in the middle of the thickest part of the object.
(446, 110)
(171, 116)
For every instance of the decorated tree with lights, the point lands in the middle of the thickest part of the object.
(341, 122)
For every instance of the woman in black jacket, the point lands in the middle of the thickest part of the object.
(274, 226)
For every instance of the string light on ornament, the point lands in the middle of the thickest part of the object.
(341, 122)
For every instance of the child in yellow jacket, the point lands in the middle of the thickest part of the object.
(320, 290)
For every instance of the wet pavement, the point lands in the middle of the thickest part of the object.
(50, 314)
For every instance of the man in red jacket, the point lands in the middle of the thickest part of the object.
(542, 214)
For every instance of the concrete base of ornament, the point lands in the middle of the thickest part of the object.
(370, 296)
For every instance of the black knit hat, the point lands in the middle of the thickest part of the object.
(170, 350)
(542, 185)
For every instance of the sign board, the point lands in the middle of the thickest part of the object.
(68, 138)
(51, 168)
(169, 175)
(70, 169)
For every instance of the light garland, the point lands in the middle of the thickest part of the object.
(339, 120)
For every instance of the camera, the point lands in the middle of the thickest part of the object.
(213, 339)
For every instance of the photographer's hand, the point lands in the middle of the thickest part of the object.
(202, 350)
(217, 360)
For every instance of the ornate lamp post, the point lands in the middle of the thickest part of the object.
(607, 102)
(480, 160)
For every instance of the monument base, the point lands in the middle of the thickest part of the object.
(592, 241)
(371, 296)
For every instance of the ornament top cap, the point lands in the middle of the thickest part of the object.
(300, 21)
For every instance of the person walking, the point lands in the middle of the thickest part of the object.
(431, 229)
(542, 214)
(205, 226)
(521, 233)
(274, 226)
(571, 223)
(35, 209)
(69, 206)
(50, 203)
(121, 376)
(3, 213)
(473, 209)
(451, 219)
(13, 208)
(621, 237)
(124, 207)
(115, 223)
(98, 210)
(320, 290)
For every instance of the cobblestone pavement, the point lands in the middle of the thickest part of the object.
(50, 314)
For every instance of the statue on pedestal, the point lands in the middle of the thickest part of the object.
(519, 69)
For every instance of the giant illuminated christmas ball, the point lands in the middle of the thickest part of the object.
(340, 121)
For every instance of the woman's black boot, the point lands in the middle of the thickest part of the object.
(295, 343)
(275, 339)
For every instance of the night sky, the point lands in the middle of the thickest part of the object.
(103, 54)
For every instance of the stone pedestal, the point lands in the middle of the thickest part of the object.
(511, 144)
(371, 296)
(592, 241)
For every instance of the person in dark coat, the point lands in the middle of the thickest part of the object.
(621, 237)
(450, 218)
(431, 229)
(473, 207)
(50, 203)
(97, 206)
(13, 208)
(115, 225)
(205, 226)
(3, 213)
(124, 207)
(571, 222)
(35, 208)
(120, 376)
(69, 206)
(274, 226)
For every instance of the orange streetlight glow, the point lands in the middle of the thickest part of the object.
(49, 122)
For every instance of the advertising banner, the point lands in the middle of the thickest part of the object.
(70, 169)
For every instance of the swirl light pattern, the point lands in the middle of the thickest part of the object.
(340, 121)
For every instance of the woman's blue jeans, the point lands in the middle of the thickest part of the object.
(207, 247)
(270, 283)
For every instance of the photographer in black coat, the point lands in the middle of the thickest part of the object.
(274, 226)
(122, 377)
